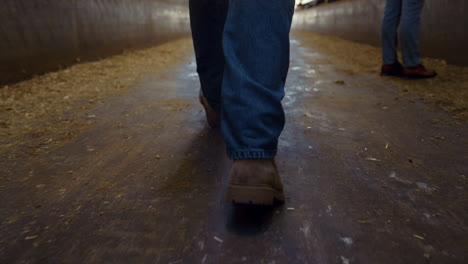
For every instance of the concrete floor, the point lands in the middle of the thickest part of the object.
(370, 177)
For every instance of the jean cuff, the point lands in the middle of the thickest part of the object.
(251, 154)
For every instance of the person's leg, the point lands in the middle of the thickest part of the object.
(409, 34)
(390, 22)
(207, 18)
(256, 49)
(409, 31)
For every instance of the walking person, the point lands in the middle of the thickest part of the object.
(406, 15)
(242, 53)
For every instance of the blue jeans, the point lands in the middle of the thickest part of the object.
(406, 14)
(242, 53)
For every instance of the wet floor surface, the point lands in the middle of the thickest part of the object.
(371, 176)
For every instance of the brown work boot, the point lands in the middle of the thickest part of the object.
(255, 181)
(213, 117)
(394, 69)
(418, 72)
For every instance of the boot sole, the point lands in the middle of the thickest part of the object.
(416, 77)
(254, 195)
(391, 74)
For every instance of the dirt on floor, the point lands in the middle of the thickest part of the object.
(52, 108)
(113, 161)
(449, 90)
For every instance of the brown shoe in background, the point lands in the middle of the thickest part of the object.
(213, 117)
(418, 72)
(394, 69)
(255, 182)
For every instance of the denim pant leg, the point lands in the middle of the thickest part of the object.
(256, 49)
(390, 22)
(207, 19)
(409, 31)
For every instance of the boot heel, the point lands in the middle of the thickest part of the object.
(256, 195)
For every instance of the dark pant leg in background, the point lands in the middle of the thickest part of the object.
(207, 18)
(390, 23)
(409, 31)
